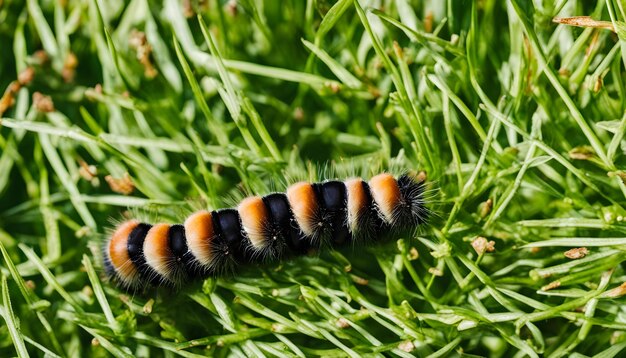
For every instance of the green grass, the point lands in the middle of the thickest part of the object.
(518, 122)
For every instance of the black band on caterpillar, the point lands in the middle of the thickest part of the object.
(307, 217)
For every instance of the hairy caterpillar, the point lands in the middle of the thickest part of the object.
(307, 217)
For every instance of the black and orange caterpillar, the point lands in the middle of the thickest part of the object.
(306, 217)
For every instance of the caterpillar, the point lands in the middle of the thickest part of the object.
(307, 217)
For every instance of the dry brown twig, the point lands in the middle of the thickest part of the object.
(584, 21)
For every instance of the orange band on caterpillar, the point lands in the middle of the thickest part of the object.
(309, 215)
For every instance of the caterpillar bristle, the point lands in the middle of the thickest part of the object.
(308, 217)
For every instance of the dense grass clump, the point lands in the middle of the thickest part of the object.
(151, 109)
